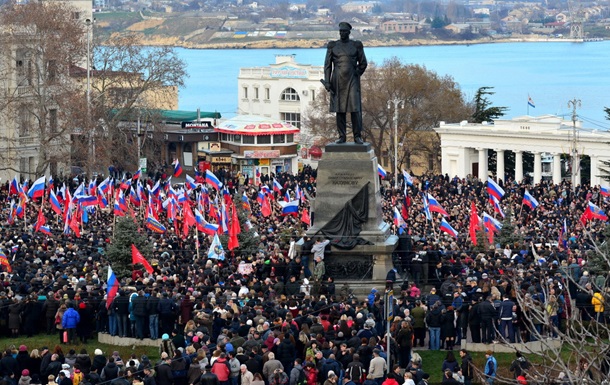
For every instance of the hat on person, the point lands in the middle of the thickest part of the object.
(345, 25)
(98, 352)
(165, 336)
(23, 348)
(484, 275)
(425, 376)
(65, 366)
(489, 353)
(25, 372)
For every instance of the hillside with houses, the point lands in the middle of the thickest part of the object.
(205, 24)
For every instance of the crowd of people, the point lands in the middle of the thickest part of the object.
(267, 309)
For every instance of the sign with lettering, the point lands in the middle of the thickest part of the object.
(289, 72)
(221, 159)
(345, 178)
(260, 154)
(193, 125)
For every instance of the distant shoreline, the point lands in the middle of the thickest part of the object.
(296, 44)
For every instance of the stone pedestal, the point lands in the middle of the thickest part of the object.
(342, 172)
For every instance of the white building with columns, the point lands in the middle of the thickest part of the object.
(465, 146)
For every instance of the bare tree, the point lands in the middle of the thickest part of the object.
(131, 83)
(41, 43)
(563, 319)
(429, 98)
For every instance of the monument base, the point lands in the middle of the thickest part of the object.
(362, 262)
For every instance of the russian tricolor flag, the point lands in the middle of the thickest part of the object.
(382, 173)
(15, 187)
(203, 225)
(491, 223)
(137, 174)
(86, 200)
(596, 212)
(154, 225)
(399, 221)
(55, 203)
(494, 189)
(605, 191)
(277, 186)
(433, 205)
(210, 178)
(290, 208)
(408, 178)
(496, 205)
(112, 287)
(446, 227)
(177, 168)
(245, 202)
(529, 200)
(45, 230)
(37, 189)
(190, 182)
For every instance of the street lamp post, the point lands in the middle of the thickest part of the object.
(89, 24)
(396, 102)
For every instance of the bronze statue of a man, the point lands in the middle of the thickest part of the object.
(344, 64)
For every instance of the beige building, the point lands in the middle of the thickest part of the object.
(401, 26)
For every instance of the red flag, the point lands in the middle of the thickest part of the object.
(137, 257)
(40, 221)
(305, 217)
(405, 207)
(585, 217)
(474, 223)
(234, 230)
(188, 219)
(266, 208)
(74, 225)
(4, 262)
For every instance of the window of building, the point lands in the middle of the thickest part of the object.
(237, 138)
(224, 137)
(431, 161)
(255, 92)
(249, 139)
(245, 92)
(53, 120)
(267, 93)
(290, 138)
(23, 121)
(313, 95)
(293, 118)
(290, 95)
(51, 71)
(75, 15)
(263, 139)
(279, 139)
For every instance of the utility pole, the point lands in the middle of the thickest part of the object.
(396, 102)
(574, 104)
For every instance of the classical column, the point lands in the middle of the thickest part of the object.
(594, 171)
(537, 167)
(500, 165)
(557, 168)
(482, 163)
(518, 166)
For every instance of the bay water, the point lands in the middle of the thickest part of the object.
(551, 73)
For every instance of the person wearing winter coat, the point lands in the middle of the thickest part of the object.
(221, 369)
(164, 371)
(69, 322)
(271, 365)
(25, 378)
(99, 361)
(519, 366)
(83, 361)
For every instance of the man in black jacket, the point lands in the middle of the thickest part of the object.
(152, 308)
(466, 366)
(120, 306)
(140, 313)
(167, 313)
(207, 377)
(488, 314)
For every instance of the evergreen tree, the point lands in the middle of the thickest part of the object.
(482, 241)
(598, 261)
(508, 234)
(483, 111)
(119, 251)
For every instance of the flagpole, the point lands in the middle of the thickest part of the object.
(197, 241)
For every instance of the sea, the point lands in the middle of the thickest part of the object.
(550, 73)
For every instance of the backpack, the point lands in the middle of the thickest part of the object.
(302, 379)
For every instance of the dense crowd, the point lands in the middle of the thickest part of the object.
(268, 309)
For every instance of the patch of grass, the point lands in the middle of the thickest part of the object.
(50, 341)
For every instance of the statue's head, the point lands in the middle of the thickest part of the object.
(345, 29)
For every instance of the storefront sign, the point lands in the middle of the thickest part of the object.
(289, 72)
(260, 154)
(194, 125)
(277, 162)
(264, 162)
(221, 159)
